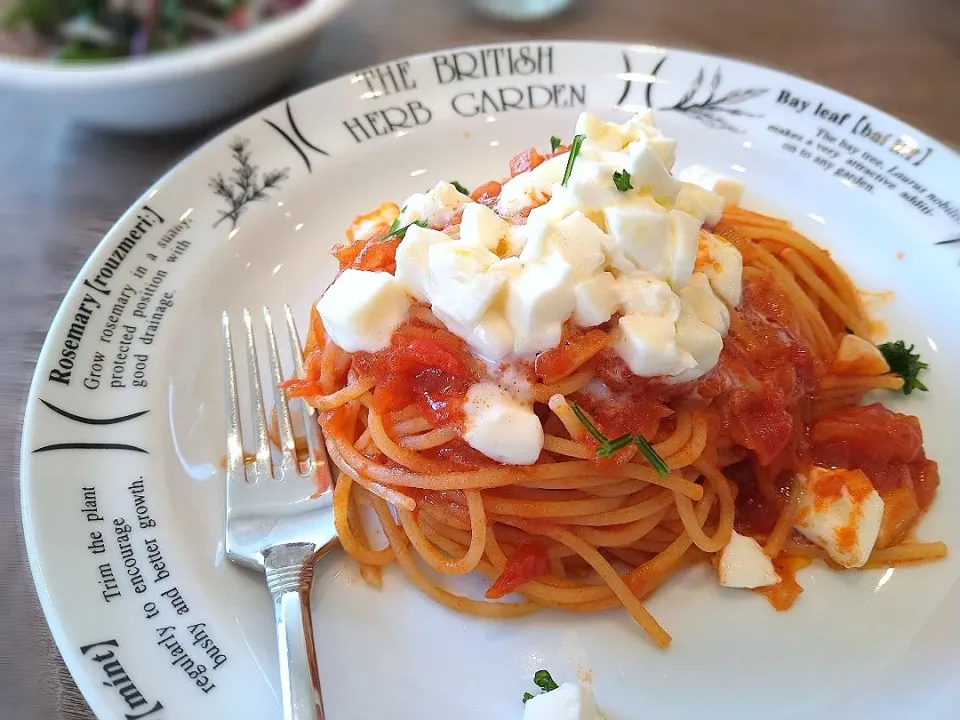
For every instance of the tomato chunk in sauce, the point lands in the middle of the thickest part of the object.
(886, 445)
(426, 365)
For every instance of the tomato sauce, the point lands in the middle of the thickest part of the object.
(423, 364)
(785, 593)
(886, 445)
(577, 346)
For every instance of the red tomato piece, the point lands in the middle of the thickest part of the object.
(525, 161)
(529, 562)
(487, 194)
(573, 351)
(430, 353)
(866, 435)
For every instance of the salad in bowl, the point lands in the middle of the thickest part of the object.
(151, 65)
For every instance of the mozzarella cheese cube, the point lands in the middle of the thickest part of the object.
(684, 231)
(607, 135)
(539, 299)
(581, 239)
(840, 511)
(857, 356)
(708, 308)
(532, 188)
(500, 427)
(492, 337)
(640, 126)
(437, 207)
(362, 309)
(722, 263)
(479, 225)
(699, 341)
(646, 294)
(576, 239)
(727, 188)
(665, 149)
(744, 564)
(649, 175)
(705, 206)
(460, 287)
(648, 344)
(591, 183)
(514, 241)
(641, 231)
(412, 259)
(595, 300)
(542, 220)
(570, 701)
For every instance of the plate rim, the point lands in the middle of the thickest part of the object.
(29, 425)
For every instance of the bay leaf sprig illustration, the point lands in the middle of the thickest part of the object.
(714, 108)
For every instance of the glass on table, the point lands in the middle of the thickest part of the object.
(524, 10)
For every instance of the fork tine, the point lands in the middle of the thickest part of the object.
(318, 462)
(264, 461)
(287, 444)
(236, 474)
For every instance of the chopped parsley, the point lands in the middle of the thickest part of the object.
(903, 361)
(574, 151)
(608, 447)
(460, 188)
(554, 143)
(622, 181)
(397, 231)
(543, 680)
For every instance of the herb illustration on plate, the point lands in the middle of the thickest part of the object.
(713, 108)
(245, 184)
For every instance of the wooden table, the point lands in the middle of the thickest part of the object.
(63, 187)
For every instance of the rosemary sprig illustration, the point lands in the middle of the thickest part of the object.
(245, 183)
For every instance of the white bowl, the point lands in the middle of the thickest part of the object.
(178, 89)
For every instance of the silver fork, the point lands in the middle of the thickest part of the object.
(276, 521)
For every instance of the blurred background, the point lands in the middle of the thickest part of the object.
(64, 182)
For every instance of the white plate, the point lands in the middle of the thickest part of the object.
(105, 414)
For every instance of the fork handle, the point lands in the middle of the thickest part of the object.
(289, 570)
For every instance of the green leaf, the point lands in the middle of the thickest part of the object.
(400, 232)
(574, 151)
(176, 23)
(43, 15)
(655, 460)
(611, 446)
(591, 428)
(608, 447)
(903, 361)
(460, 188)
(542, 680)
(554, 143)
(80, 51)
(527, 696)
(622, 181)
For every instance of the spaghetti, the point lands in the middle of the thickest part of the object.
(583, 533)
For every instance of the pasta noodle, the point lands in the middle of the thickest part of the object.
(584, 533)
